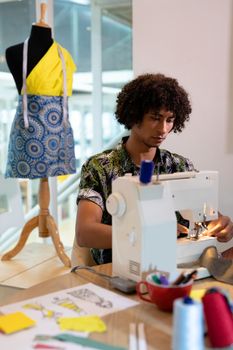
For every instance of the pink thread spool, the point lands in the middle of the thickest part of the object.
(218, 318)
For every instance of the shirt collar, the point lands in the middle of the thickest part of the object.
(121, 146)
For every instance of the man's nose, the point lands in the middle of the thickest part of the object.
(162, 127)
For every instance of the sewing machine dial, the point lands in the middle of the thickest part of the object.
(116, 205)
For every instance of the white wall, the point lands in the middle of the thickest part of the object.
(192, 40)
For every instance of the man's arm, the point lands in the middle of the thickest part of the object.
(89, 230)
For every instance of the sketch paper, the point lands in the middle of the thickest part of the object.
(87, 299)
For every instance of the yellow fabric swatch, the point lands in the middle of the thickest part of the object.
(197, 294)
(82, 324)
(14, 322)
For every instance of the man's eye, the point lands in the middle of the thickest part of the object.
(170, 120)
(155, 117)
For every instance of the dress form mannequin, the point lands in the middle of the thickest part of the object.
(38, 44)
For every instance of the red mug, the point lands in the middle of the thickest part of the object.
(163, 295)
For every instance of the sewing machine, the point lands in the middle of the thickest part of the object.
(144, 223)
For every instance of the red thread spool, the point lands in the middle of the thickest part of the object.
(218, 318)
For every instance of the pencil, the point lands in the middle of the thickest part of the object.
(179, 279)
(189, 277)
(137, 340)
(141, 337)
(132, 336)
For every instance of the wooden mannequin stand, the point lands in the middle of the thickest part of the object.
(46, 224)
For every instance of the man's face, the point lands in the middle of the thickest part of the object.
(154, 128)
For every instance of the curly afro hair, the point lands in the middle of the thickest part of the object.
(151, 92)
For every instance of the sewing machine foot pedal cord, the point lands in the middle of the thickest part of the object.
(122, 284)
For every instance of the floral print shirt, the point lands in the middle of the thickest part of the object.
(100, 170)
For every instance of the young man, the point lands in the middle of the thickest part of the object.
(151, 106)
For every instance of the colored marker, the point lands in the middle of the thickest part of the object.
(164, 280)
(156, 279)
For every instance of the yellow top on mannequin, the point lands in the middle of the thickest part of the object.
(46, 78)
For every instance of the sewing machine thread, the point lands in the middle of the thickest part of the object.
(146, 171)
(188, 325)
(218, 318)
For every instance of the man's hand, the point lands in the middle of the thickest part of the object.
(222, 228)
(181, 229)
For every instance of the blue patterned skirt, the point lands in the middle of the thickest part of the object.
(46, 147)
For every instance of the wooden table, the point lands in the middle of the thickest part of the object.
(36, 263)
(158, 324)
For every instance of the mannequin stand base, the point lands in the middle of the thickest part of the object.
(52, 232)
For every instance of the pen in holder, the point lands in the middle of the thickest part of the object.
(161, 292)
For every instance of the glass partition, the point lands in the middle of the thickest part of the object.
(73, 24)
(10, 204)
